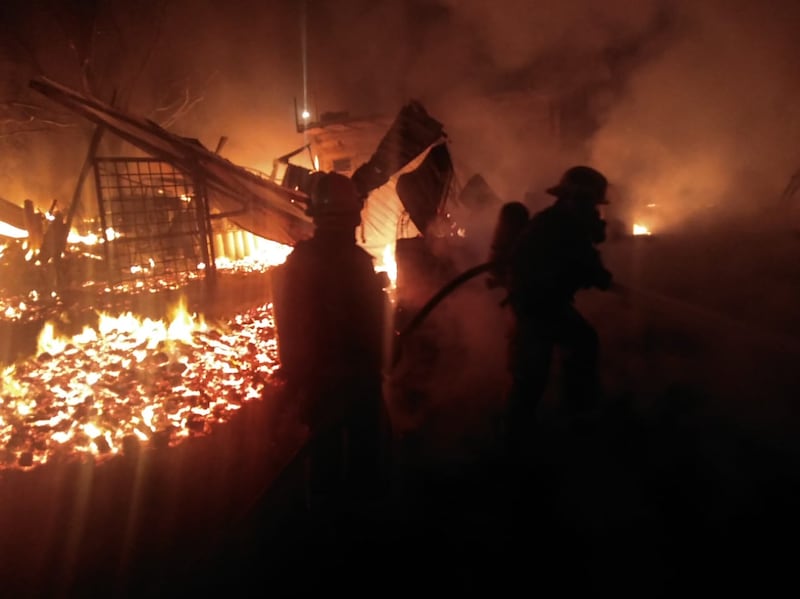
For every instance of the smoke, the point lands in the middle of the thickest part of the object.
(713, 122)
(200, 69)
(246, 60)
(685, 105)
(689, 107)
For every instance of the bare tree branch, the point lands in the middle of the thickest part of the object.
(21, 112)
(179, 110)
(82, 55)
(108, 44)
(174, 110)
(39, 128)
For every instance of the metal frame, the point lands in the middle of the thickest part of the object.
(160, 220)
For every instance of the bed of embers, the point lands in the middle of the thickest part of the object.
(133, 431)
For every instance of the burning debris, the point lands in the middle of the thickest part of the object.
(129, 382)
(25, 296)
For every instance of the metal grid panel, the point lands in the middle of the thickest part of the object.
(158, 218)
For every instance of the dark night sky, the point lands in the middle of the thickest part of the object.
(679, 101)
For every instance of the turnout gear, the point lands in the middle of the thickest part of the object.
(554, 257)
(330, 312)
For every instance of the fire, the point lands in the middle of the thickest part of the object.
(132, 381)
(388, 264)
(76, 238)
(12, 231)
(641, 230)
(260, 255)
(249, 253)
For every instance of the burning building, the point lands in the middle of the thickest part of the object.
(139, 348)
(134, 427)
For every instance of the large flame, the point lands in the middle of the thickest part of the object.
(131, 381)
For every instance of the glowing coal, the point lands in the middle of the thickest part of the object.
(132, 381)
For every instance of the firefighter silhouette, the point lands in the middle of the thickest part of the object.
(553, 257)
(329, 309)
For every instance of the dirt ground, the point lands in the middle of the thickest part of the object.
(684, 482)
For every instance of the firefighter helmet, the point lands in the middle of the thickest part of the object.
(333, 195)
(582, 181)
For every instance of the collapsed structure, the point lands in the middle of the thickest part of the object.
(170, 211)
(162, 219)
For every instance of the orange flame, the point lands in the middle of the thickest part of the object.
(131, 380)
(388, 264)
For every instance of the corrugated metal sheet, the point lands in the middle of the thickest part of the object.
(379, 151)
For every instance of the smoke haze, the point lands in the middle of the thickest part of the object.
(690, 106)
(686, 105)
(683, 104)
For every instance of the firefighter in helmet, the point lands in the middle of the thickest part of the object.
(330, 310)
(554, 257)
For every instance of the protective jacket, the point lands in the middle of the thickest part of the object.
(554, 257)
(329, 308)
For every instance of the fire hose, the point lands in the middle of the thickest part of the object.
(434, 301)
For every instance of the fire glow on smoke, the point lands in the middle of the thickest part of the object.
(132, 382)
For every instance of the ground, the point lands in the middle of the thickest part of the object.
(684, 482)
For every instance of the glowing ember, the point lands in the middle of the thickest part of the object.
(640, 230)
(130, 382)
